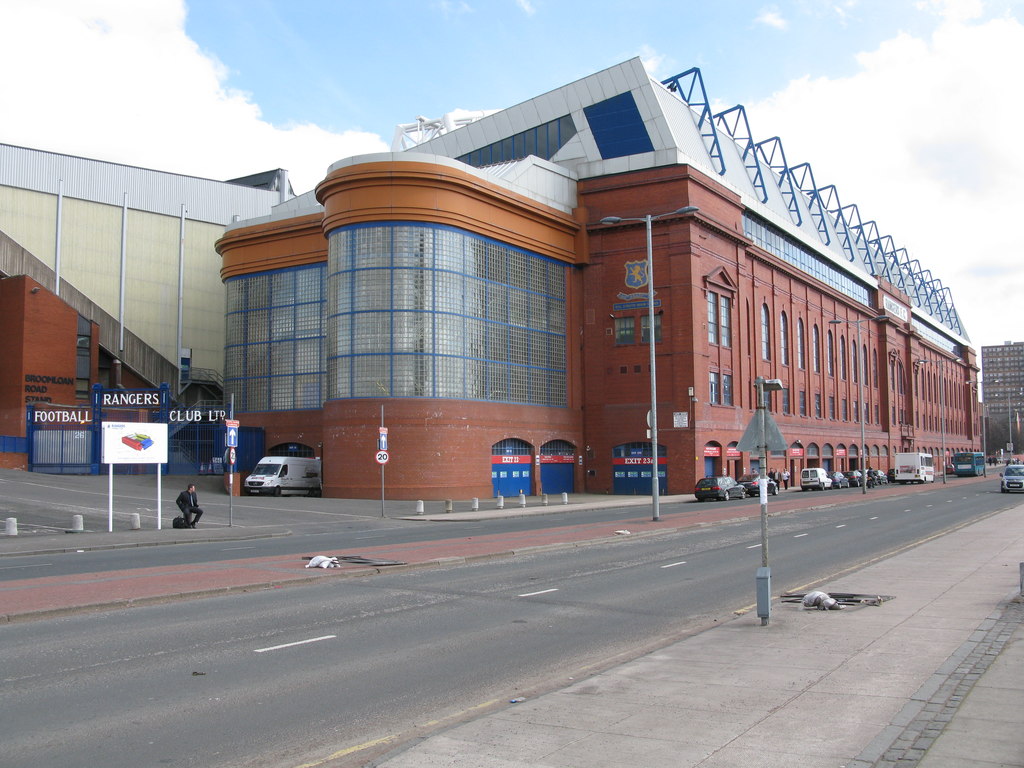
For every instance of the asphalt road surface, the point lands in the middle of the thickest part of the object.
(294, 676)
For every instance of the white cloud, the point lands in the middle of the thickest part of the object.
(526, 7)
(922, 140)
(770, 17)
(119, 80)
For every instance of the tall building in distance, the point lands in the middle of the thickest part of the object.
(1002, 369)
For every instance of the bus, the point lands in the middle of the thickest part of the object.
(915, 468)
(969, 463)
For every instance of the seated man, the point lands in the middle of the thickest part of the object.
(188, 503)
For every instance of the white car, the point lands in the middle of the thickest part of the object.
(1011, 479)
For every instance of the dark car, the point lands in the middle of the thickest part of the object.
(854, 477)
(839, 480)
(749, 483)
(720, 488)
(891, 475)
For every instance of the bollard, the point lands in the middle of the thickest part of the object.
(136, 522)
(1021, 566)
(77, 524)
(501, 501)
(522, 499)
(544, 499)
(565, 498)
(448, 505)
(419, 507)
(476, 504)
(763, 592)
(12, 526)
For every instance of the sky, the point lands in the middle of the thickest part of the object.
(911, 108)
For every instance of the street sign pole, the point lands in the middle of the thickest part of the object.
(383, 434)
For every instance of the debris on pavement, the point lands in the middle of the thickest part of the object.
(833, 601)
(622, 532)
(336, 561)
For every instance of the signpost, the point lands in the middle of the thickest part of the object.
(231, 443)
(761, 436)
(133, 443)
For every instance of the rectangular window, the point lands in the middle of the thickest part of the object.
(803, 403)
(817, 405)
(712, 317)
(625, 330)
(713, 391)
(846, 411)
(645, 324)
(832, 407)
(725, 321)
(785, 401)
(726, 389)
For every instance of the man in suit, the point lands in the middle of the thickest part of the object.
(188, 503)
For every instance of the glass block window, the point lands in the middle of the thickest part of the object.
(274, 357)
(427, 311)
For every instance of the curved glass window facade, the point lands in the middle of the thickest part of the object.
(274, 357)
(427, 311)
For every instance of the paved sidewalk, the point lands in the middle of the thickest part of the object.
(932, 678)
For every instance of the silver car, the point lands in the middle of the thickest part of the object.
(1011, 479)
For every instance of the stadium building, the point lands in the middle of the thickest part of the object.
(477, 302)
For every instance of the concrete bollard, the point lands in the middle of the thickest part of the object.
(476, 504)
(419, 507)
(12, 526)
(544, 500)
(1021, 566)
(565, 498)
(501, 501)
(136, 522)
(77, 523)
(448, 506)
(522, 499)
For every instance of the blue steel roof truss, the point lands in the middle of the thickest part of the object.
(686, 86)
(773, 154)
(858, 239)
(804, 178)
(734, 122)
(830, 200)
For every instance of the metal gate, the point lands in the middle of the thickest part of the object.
(631, 469)
(557, 467)
(511, 467)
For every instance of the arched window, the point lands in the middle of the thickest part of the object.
(801, 344)
(830, 354)
(816, 348)
(842, 357)
(853, 360)
(783, 339)
(766, 333)
(864, 364)
(874, 367)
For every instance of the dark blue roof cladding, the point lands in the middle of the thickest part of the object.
(617, 127)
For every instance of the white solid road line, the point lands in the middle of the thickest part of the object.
(542, 592)
(290, 645)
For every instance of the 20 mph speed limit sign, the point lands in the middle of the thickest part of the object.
(382, 457)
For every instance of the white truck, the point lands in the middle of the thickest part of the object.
(276, 475)
(915, 468)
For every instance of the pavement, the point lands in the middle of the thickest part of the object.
(933, 677)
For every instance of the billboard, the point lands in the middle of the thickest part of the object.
(134, 443)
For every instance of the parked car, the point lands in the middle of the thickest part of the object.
(721, 488)
(839, 480)
(1011, 479)
(814, 479)
(854, 477)
(749, 482)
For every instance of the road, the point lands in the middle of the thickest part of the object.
(290, 677)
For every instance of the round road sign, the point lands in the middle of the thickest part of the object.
(382, 457)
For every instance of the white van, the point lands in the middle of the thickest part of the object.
(275, 475)
(814, 478)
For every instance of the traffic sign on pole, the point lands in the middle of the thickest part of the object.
(382, 457)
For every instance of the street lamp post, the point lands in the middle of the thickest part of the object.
(653, 417)
(860, 394)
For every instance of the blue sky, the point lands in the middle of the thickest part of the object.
(910, 107)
